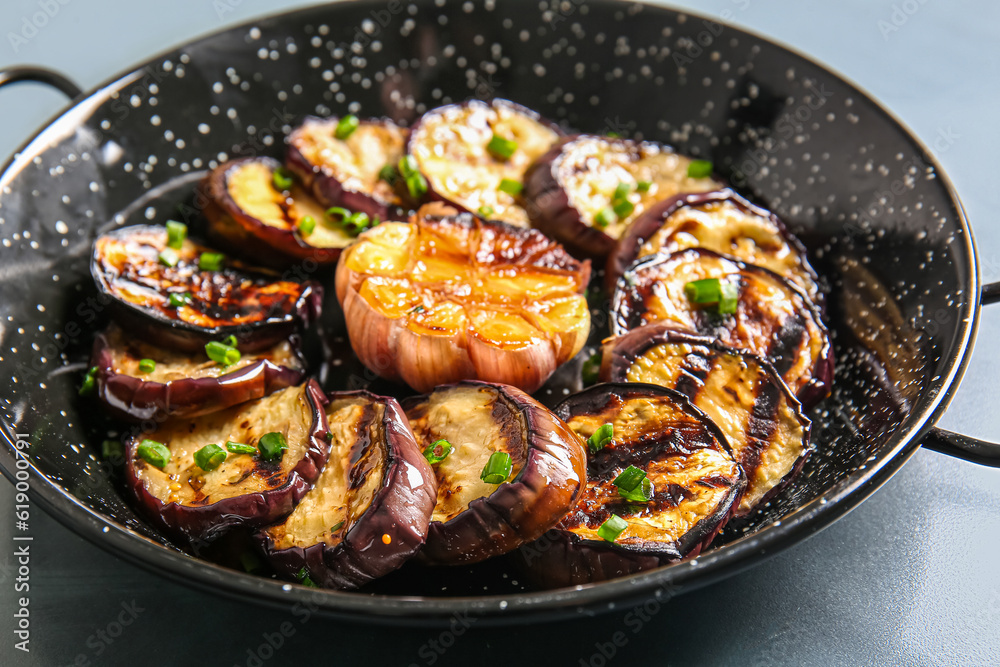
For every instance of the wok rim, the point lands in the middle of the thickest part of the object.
(661, 583)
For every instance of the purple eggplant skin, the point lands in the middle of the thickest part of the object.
(239, 300)
(390, 204)
(400, 510)
(562, 558)
(647, 224)
(134, 399)
(548, 485)
(232, 228)
(194, 525)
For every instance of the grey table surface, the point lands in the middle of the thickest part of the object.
(911, 577)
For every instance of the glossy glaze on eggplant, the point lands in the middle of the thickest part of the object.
(194, 505)
(184, 384)
(773, 318)
(722, 222)
(740, 392)
(371, 506)
(346, 172)
(250, 303)
(451, 148)
(570, 185)
(247, 214)
(695, 484)
(474, 519)
(451, 297)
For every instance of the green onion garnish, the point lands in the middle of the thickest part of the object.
(307, 225)
(633, 484)
(176, 233)
(437, 451)
(591, 368)
(282, 179)
(352, 223)
(154, 453)
(643, 186)
(346, 126)
(178, 299)
(623, 208)
(730, 299)
(700, 169)
(707, 290)
(303, 576)
(500, 147)
(601, 438)
(89, 382)
(408, 166)
(388, 174)
(209, 457)
(510, 186)
(416, 185)
(169, 257)
(336, 214)
(211, 261)
(612, 528)
(147, 365)
(497, 469)
(643, 492)
(621, 192)
(613, 135)
(112, 449)
(220, 353)
(605, 217)
(486, 211)
(272, 446)
(249, 561)
(230, 340)
(240, 448)
(335, 527)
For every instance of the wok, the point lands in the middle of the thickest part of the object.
(880, 219)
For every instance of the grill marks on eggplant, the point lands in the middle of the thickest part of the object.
(450, 146)
(773, 318)
(741, 393)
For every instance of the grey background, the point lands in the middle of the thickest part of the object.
(910, 577)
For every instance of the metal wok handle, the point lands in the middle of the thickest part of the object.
(41, 75)
(963, 446)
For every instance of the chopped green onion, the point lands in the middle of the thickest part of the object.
(605, 217)
(730, 299)
(417, 309)
(335, 527)
(178, 299)
(613, 135)
(282, 179)
(388, 174)
(346, 126)
(601, 438)
(89, 382)
(112, 449)
(209, 457)
(629, 478)
(700, 169)
(338, 214)
(408, 166)
(706, 290)
(642, 493)
(249, 561)
(623, 208)
(486, 211)
(272, 446)
(591, 368)
(154, 453)
(223, 354)
(169, 257)
(176, 233)
(240, 448)
(307, 225)
(501, 147)
(303, 576)
(416, 184)
(437, 451)
(147, 365)
(643, 186)
(497, 469)
(510, 186)
(621, 192)
(612, 528)
(211, 261)
(230, 340)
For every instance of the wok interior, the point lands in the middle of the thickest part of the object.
(879, 223)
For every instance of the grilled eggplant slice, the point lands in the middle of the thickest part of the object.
(249, 215)
(723, 222)
(473, 519)
(695, 484)
(346, 172)
(192, 504)
(249, 303)
(773, 318)
(452, 147)
(371, 506)
(740, 392)
(573, 190)
(452, 297)
(185, 384)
